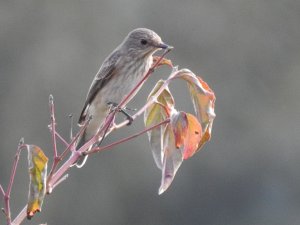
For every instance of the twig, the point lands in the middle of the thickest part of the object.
(56, 159)
(53, 124)
(56, 177)
(71, 126)
(62, 139)
(11, 181)
(61, 180)
(86, 123)
(59, 158)
(2, 190)
(98, 149)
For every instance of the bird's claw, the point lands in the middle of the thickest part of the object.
(128, 116)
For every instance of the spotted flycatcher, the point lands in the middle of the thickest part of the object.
(118, 75)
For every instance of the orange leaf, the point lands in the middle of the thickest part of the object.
(187, 132)
(193, 137)
(203, 100)
(179, 125)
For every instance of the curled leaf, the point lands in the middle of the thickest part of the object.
(203, 100)
(155, 114)
(185, 134)
(37, 163)
(180, 141)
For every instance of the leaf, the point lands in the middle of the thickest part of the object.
(172, 159)
(155, 114)
(164, 61)
(203, 100)
(180, 141)
(187, 131)
(37, 163)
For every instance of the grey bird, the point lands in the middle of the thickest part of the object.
(117, 76)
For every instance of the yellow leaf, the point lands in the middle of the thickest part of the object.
(155, 114)
(37, 163)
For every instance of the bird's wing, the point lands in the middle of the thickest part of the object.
(106, 72)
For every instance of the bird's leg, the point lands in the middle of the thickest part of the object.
(128, 116)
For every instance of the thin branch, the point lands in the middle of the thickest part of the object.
(86, 123)
(58, 176)
(61, 180)
(71, 126)
(20, 217)
(53, 124)
(98, 149)
(59, 158)
(2, 190)
(62, 139)
(11, 181)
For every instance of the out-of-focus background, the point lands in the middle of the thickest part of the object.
(247, 51)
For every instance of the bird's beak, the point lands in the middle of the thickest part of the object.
(164, 46)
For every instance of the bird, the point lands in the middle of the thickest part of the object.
(118, 75)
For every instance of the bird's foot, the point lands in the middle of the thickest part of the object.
(127, 115)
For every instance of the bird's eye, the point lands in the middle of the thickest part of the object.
(144, 42)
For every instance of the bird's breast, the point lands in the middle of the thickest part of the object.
(124, 80)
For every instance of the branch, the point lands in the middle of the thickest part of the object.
(99, 149)
(2, 190)
(10, 184)
(62, 139)
(57, 177)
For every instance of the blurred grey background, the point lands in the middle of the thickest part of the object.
(247, 50)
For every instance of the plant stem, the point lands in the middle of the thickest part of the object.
(98, 149)
(2, 190)
(62, 139)
(11, 181)
(53, 124)
(56, 177)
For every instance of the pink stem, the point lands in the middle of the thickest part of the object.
(2, 190)
(76, 154)
(53, 131)
(75, 139)
(98, 149)
(11, 181)
(62, 139)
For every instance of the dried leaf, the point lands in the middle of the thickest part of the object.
(155, 114)
(193, 136)
(203, 100)
(180, 141)
(172, 159)
(37, 163)
(164, 61)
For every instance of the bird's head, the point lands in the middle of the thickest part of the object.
(143, 41)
